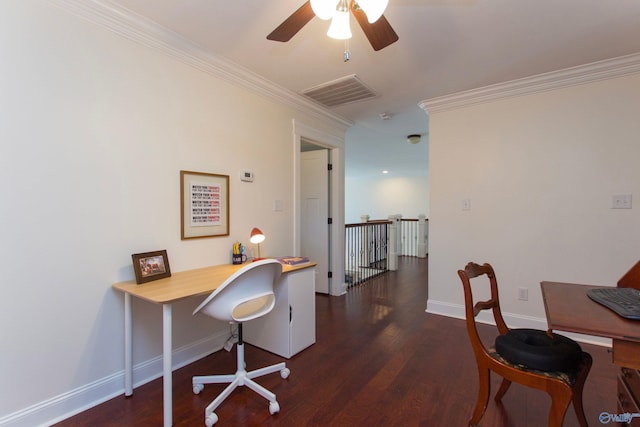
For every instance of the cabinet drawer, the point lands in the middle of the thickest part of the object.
(631, 377)
(626, 404)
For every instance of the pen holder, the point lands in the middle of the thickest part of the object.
(238, 258)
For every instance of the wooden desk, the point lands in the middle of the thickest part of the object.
(179, 286)
(568, 308)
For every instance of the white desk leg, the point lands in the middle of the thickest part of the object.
(166, 365)
(128, 344)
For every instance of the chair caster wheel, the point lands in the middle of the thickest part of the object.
(210, 420)
(197, 388)
(274, 407)
(285, 373)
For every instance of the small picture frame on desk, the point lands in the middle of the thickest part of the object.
(150, 266)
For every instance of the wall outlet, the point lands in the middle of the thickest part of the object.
(621, 201)
(523, 294)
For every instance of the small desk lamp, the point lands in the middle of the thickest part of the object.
(256, 238)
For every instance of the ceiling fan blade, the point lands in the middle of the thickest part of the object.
(380, 33)
(292, 24)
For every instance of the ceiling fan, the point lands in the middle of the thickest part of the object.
(379, 32)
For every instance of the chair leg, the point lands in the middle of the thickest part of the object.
(267, 370)
(271, 397)
(484, 388)
(221, 397)
(503, 389)
(213, 379)
(561, 396)
(579, 386)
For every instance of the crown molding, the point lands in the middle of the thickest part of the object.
(148, 33)
(595, 71)
(143, 31)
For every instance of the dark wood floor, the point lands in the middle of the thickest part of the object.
(379, 360)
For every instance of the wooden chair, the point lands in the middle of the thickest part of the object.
(563, 387)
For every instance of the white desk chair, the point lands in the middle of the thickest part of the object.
(246, 295)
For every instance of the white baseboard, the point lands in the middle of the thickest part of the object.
(512, 320)
(67, 404)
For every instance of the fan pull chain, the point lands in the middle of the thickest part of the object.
(347, 52)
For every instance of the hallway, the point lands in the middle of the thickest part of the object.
(379, 360)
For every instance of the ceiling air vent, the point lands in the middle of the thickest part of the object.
(341, 91)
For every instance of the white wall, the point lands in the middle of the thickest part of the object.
(381, 197)
(540, 171)
(94, 130)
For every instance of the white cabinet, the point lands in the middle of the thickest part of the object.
(291, 325)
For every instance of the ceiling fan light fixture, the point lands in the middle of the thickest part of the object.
(324, 9)
(339, 28)
(373, 8)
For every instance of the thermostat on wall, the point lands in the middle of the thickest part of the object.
(246, 176)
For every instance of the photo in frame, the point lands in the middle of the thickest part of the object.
(204, 205)
(150, 266)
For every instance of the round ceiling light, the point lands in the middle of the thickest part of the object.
(414, 138)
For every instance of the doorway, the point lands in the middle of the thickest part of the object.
(333, 144)
(315, 235)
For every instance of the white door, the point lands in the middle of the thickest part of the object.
(314, 233)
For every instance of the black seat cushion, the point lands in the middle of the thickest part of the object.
(534, 349)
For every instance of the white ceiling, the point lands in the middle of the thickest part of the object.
(444, 47)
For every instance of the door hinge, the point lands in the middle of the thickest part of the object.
(329, 167)
(329, 221)
(330, 275)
